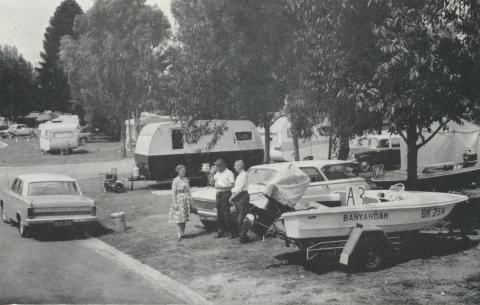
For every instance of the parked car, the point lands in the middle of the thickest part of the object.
(15, 130)
(45, 199)
(325, 176)
(373, 150)
(84, 135)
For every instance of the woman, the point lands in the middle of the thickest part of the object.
(180, 208)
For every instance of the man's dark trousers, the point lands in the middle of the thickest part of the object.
(241, 202)
(223, 212)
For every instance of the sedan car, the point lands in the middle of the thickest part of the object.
(373, 150)
(15, 130)
(325, 176)
(45, 199)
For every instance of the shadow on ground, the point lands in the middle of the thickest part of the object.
(69, 233)
(419, 246)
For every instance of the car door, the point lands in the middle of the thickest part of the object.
(318, 183)
(13, 200)
(394, 157)
(383, 152)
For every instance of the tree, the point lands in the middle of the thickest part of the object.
(116, 64)
(17, 84)
(336, 40)
(55, 91)
(429, 73)
(229, 54)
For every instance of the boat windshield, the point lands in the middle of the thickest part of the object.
(340, 171)
(48, 188)
(261, 175)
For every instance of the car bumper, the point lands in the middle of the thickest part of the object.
(207, 214)
(57, 220)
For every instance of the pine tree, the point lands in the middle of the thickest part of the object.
(54, 88)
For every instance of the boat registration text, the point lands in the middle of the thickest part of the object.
(432, 212)
(365, 216)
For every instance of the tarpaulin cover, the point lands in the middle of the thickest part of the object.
(447, 145)
(288, 186)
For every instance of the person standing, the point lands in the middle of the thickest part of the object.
(180, 208)
(224, 181)
(240, 200)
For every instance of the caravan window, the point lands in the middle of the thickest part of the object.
(243, 136)
(177, 139)
(62, 135)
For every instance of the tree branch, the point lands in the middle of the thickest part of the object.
(425, 141)
(403, 136)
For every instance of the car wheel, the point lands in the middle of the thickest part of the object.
(22, 229)
(82, 141)
(4, 214)
(209, 225)
(365, 165)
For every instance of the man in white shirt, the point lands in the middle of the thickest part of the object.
(240, 200)
(224, 180)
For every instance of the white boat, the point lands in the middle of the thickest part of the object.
(393, 211)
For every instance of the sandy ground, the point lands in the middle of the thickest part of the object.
(435, 270)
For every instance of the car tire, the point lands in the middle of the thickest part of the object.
(82, 141)
(209, 225)
(4, 214)
(22, 229)
(365, 165)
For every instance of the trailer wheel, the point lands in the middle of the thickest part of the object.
(370, 255)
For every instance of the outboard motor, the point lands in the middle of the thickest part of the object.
(469, 158)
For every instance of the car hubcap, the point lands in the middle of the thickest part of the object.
(364, 166)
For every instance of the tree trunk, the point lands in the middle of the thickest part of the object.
(412, 154)
(266, 153)
(123, 135)
(296, 150)
(344, 148)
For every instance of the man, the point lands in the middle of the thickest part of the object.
(240, 199)
(224, 181)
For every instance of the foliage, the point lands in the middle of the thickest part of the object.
(429, 68)
(55, 91)
(116, 64)
(18, 88)
(336, 41)
(228, 56)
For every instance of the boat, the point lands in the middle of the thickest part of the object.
(437, 177)
(392, 211)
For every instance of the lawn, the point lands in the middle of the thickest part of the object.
(21, 152)
(265, 272)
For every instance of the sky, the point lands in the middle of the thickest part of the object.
(23, 23)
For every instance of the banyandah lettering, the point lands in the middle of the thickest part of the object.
(365, 216)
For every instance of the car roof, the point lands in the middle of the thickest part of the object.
(44, 177)
(315, 163)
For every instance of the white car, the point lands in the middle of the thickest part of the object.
(45, 199)
(325, 176)
(16, 130)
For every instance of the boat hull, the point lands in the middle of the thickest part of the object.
(390, 216)
(440, 181)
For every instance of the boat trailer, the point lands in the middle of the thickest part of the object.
(365, 249)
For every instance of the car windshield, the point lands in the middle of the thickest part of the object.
(340, 171)
(260, 175)
(367, 142)
(48, 188)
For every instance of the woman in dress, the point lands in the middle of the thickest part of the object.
(180, 208)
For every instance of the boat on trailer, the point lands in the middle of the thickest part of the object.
(393, 211)
(364, 225)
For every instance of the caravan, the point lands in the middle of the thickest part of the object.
(57, 136)
(161, 147)
(281, 145)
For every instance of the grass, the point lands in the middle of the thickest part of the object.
(262, 272)
(22, 152)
